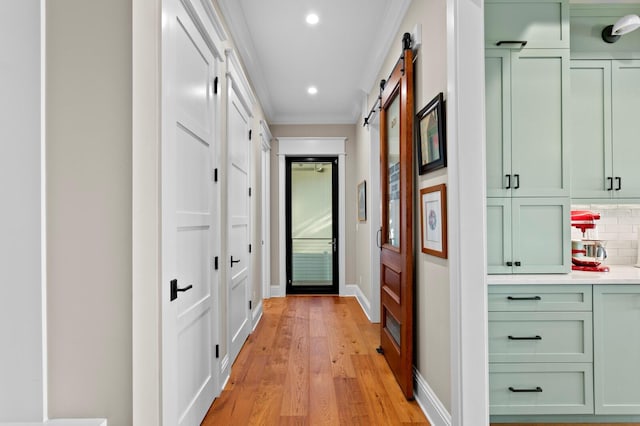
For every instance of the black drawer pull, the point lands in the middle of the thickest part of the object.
(619, 180)
(536, 389)
(517, 178)
(524, 298)
(522, 43)
(525, 338)
(610, 179)
(508, 181)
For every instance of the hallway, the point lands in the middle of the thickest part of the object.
(312, 360)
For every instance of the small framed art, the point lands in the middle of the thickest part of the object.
(431, 135)
(433, 220)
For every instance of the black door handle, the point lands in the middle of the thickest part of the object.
(508, 181)
(174, 289)
(536, 389)
(234, 261)
(525, 338)
(610, 179)
(517, 184)
(619, 180)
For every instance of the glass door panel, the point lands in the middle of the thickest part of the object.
(393, 172)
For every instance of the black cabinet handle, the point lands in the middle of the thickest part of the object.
(517, 178)
(536, 389)
(518, 263)
(508, 181)
(509, 263)
(619, 181)
(522, 43)
(174, 289)
(525, 338)
(524, 298)
(610, 179)
(234, 261)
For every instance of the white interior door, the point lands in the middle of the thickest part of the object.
(189, 217)
(239, 264)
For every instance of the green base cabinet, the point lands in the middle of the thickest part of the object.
(604, 128)
(616, 334)
(528, 235)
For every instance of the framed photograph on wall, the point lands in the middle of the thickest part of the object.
(431, 135)
(362, 201)
(433, 220)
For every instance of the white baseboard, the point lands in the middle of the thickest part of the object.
(354, 290)
(62, 422)
(276, 291)
(225, 372)
(257, 315)
(429, 402)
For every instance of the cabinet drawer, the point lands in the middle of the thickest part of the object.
(548, 297)
(542, 23)
(541, 388)
(540, 337)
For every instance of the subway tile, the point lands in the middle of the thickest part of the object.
(616, 244)
(628, 252)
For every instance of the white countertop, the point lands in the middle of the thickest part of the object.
(617, 274)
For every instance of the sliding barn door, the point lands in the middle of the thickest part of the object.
(396, 257)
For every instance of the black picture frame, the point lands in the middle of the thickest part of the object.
(431, 136)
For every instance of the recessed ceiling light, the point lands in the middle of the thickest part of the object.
(312, 90)
(312, 19)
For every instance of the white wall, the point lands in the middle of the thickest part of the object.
(21, 315)
(89, 204)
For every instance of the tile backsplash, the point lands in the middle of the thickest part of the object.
(618, 226)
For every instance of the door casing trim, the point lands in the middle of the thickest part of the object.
(291, 146)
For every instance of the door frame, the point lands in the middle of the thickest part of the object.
(265, 250)
(335, 225)
(310, 147)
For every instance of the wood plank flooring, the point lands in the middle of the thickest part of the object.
(312, 361)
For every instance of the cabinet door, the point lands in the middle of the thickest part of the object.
(498, 235)
(498, 121)
(541, 235)
(542, 23)
(626, 128)
(616, 358)
(539, 89)
(591, 129)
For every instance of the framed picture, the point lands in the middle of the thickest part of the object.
(430, 131)
(433, 220)
(362, 201)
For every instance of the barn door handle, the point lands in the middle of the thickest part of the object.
(234, 261)
(378, 238)
(174, 289)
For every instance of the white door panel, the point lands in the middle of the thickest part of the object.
(189, 220)
(239, 229)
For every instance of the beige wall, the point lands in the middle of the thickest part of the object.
(432, 274)
(88, 131)
(316, 130)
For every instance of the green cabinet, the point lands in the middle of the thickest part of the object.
(528, 235)
(605, 141)
(540, 350)
(616, 334)
(526, 93)
(541, 23)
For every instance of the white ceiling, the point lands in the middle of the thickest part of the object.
(341, 55)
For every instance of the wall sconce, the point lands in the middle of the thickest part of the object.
(624, 25)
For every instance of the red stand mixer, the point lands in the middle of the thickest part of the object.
(587, 254)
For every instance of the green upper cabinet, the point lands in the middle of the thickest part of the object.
(616, 355)
(541, 23)
(526, 93)
(605, 130)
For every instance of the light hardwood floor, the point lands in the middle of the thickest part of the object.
(312, 360)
